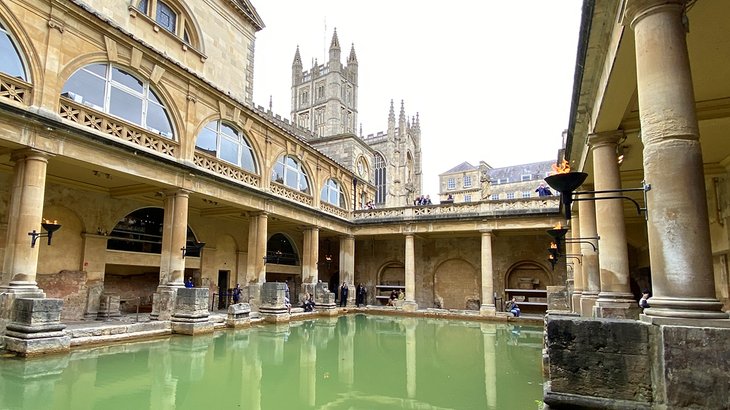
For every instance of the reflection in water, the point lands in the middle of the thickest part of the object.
(356, 361)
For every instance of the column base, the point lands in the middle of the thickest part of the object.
(163, 303)
(587, 302)
(685, 308)
(36, 328)
(487, 310)
(575, 302)
(616, 306)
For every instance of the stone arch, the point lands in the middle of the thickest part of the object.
(28, 53)
(456, 285)
(527, 275)
(392, 273)
(280, 241)
(246, 136)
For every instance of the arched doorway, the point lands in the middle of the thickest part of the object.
(456, 285)
(282, 262)
(392, 276)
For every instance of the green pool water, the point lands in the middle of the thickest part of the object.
(348, 362)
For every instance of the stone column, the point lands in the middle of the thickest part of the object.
(487, 308)
(678, 227)
(347, 266)
(25, 214)
(411, 362)
(257, 237)
(172, 264)
(310, 255)
(578, 285)
(174, 236)
(591, 279)
(410, 268)
(615, 298)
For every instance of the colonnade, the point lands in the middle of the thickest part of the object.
(678, 225)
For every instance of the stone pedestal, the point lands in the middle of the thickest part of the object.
(617, 309)
(35, 327)
(163, 302)
(251, 293)
(273, 306)
(190, 316)
(324, 300)
(93, 300)
(410, 306)
(8, 296)
(108, 306)
(238, 315)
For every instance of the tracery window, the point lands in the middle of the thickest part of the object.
(290, 172)
(114, 91)
(227, 143)
(332, 193)
(380, 179)
(11, 62)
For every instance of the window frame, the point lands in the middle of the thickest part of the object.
(288, 171)
(467, 181)
(23, 65)
(451, 184)
(147, 96)
(333, 189)
(240, 140)
(510, 195)
(185, 30)
(381, 174)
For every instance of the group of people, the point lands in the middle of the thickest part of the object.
(370, 205)
(422, 200)
(396, 294)
(360, 294)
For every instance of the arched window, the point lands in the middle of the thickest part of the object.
(141, 231)
(227, 143)
(112, 90)
(280, 251)
(332, 193)
(169, 16)
(11, 62)
(379, 179)
(289, 171)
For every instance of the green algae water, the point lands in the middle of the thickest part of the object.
(347, 362)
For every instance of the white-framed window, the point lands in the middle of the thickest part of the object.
(290, 172)
(467, 198)
(526, 177)
(332, 193)
(451, 183)
(510, 195)
(227, 143)
(502, 181)
(495, 197)
(11, 61)
(170, 17)
(467, 181)
(525, 194)
(114, 91)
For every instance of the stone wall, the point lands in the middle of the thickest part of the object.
(131, 287)
(69, 286)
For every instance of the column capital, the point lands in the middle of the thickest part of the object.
(30, 153)
(486, 232)
(605, 138)
(310, 228)
(177, 192)
(636, 10)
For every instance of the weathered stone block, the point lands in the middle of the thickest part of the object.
(558, 298)
(36, 327)
(696, 360)
(238, 315)
(598, 360)
(109, 306)
(191, 302)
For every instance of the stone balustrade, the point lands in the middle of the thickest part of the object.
(14, 89)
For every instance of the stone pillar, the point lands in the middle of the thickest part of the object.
(410, 302)
(347, 266)
(489, 337)
(172, 264)
(191, 315)
(174, 237)
(487, 308)
(94, 263)
(591, 279)
(256, 258)
(310, 258)
(578, 285)
(262, 236)
(25, 214)
(678, 227)
(36, 327)
(273, 306)
(615, 299)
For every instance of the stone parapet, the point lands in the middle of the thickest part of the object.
(273, 307)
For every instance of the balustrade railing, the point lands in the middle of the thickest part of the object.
(14, 89)
(217, 166)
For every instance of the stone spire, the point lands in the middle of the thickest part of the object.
(391, 122)
(297, 59)
(335, 52)
(402, 119)
(352, 58)
(296, 68)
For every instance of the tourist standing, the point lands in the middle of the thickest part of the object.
(344, 290)
(237, 293)
(542, 190)
(189, 282)
(361, 295)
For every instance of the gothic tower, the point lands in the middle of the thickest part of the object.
(324, 99)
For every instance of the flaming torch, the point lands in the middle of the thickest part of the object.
(565, 182)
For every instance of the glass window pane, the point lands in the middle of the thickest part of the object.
(125, 105)
(207, 141)
(228, 130)
(292, 162)
(157, 119)
(229, 150)
(291, 179)
(303, 184)
(84, 87)
(278, 173)
(127, 79)
(247, 161)
(98, 69)
(142, 6)
(324, 196)
(10, 62)
(166, 17)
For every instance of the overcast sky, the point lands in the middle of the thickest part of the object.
(491, 80)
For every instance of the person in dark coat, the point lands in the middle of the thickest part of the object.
(360, 295)
(344, 290)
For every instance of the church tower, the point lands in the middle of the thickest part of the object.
(324, 98)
